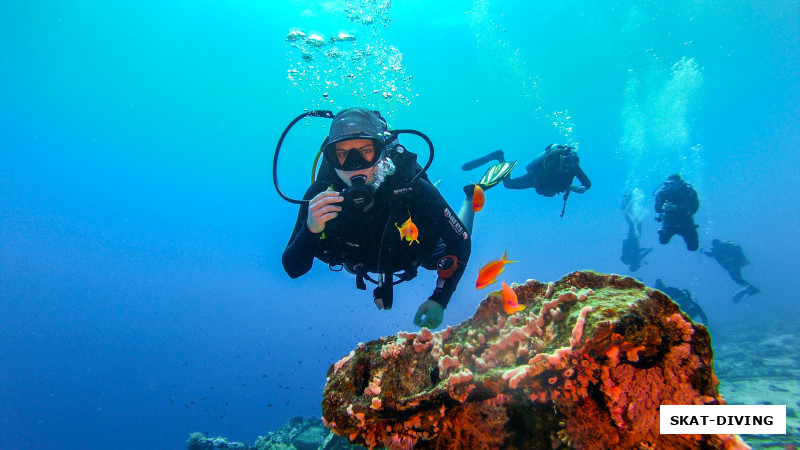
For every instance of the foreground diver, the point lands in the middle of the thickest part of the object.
(632, 252)
(549, 174)
(370, 212)
(684, 299)
(676, 205)
(731, 257)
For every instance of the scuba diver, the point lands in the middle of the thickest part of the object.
(676, 204)
(684, 299)
(373, 210)
(731, 257)
(632, 252)
(549, 174)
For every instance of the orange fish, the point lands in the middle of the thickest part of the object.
(408, 231)
(510, 300)
(488, 273)
(478, 198)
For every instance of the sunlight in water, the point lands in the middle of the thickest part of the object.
(656, 117)
(348, 67)
(495, 50)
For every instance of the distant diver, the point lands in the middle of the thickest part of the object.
(676, 204)
(684, 299)
(632, 253)
(730, 256)
(550, 173)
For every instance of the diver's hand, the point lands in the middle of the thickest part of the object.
(433, 312)
(322, 208)
(578, 189)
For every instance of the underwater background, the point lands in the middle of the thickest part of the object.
(142, 296)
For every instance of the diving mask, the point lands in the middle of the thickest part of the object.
(356, 158)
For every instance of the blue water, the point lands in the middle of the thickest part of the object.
(141, 291)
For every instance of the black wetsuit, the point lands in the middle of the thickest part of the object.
(632, 252)
(369, 241)
(684, 299)
(681, 220)
(731, 257)
(552, 181)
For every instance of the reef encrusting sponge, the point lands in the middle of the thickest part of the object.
(585, 365)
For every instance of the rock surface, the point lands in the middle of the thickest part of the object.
(297, 433)
(586, 364)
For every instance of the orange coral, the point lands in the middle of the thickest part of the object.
(615, 353)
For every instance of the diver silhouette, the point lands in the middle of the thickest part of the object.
(730, 256)
(632, 252)
(550, 173)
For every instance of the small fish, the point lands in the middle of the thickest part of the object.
(408, 231)
(478, 198)
(488, 273)
(510, 304)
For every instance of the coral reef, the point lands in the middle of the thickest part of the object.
(199, 442)
(585, 365)
(297, 433)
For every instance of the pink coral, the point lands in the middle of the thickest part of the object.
(550, 290)
(392, 350)
(343, 361)
(514, 376)
(577, 331)
(460, 377)
(446, 363)
(425, 335)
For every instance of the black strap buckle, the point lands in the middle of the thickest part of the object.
(383, 295)
(360, 284)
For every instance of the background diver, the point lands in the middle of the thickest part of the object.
(684, 299)
(372, 210)
(632, 253)
(550, 173)
(676, 203)
(730, 256)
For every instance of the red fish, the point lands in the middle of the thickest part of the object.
(510, 304)
(488, 273)
(408, 231)
(478, 198)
